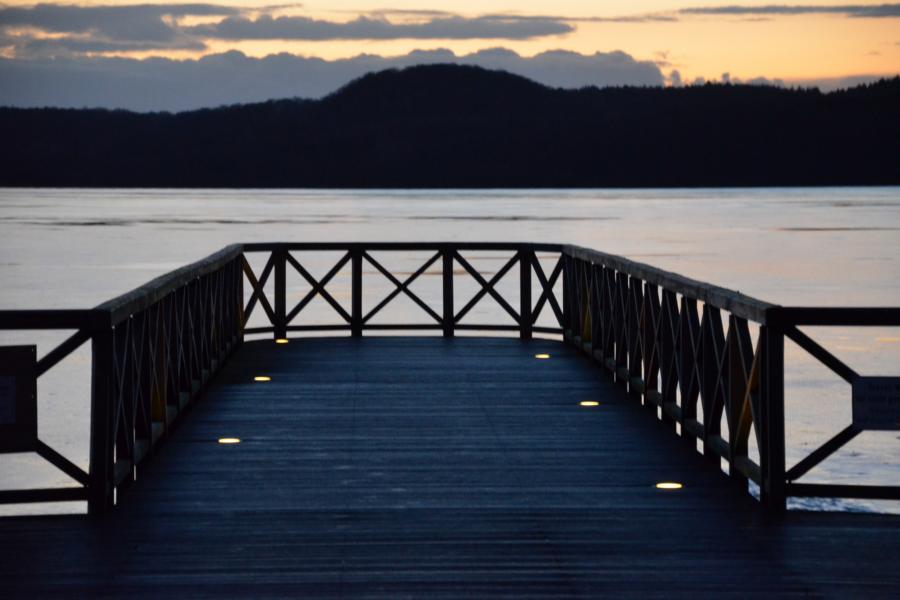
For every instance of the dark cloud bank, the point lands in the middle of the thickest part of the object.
(162, 84)
(60, 71)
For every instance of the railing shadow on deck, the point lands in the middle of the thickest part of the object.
(670, 341)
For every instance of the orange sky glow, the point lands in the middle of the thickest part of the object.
(792, 47)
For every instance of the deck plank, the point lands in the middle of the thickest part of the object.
(412, 467)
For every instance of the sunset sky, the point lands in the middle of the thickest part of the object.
(802, 42)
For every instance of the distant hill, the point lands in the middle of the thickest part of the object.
(456, 126)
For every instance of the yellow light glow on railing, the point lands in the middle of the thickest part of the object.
(229, 440)
(542, 356)
(262, 378)
(281, 341)
(589, 403)
(668, 485)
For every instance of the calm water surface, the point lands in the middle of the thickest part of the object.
(831, 247)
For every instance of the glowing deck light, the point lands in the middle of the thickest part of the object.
(281, 341)
(262, 378)
(542, 356)
(668, 485)
(229, 440)
(589, 403)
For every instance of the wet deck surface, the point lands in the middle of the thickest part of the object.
(422, 467)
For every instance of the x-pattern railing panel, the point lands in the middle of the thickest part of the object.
(281, 256)
(487, 287)
(318, 287)
(402, 287)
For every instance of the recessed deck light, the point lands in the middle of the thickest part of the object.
(229, 440)
(281, 341)
(589, 403)
(668, 485)
(262, 378)
(542, 356)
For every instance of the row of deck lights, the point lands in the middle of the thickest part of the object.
(662, 485)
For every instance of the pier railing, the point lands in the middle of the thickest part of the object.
(153, 349)
(447, 316)
(683, 347)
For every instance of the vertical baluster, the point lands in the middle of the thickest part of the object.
(667, 345)
(280, 258)
(567, 295)
(597, 312)
(621, 292)
(711, 352)
(447, 314)
(356, 293)
(239, 320)
(650, 339)
(740, 376)
(525, 321)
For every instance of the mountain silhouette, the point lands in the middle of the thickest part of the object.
(460, 126)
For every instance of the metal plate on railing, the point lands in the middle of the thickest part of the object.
(876, 403)
(18, 398)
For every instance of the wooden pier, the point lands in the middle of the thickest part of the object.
(439, 466)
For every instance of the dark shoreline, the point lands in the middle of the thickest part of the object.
(450, 127)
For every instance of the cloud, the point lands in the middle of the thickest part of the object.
(36, 47)
(173, 85)
(136, 22)
(45, 29)
(847, 10)
(451, 27)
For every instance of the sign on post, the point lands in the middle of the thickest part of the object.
(876, 403)
(18, 398)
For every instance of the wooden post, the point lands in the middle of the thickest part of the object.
(772, 491)
(101, 470)
(237, 275)
(737, 389)
(525, 324)
(448, 314)
(356, 293)
(280, 259)
(567, 295)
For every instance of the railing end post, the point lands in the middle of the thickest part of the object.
(772, 456)
(101, 470)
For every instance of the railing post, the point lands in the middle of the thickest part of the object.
(772, 490)
(356, 293)
(448, 314)
(280, 259)
(567, 296)
(525, 325)
(238, 300)
(101, 470)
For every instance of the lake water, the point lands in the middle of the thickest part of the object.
(829, 247)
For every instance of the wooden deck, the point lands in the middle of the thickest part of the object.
(429, 467)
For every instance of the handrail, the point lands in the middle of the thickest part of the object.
(675, 343)
(734, 302)
(140, 298)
